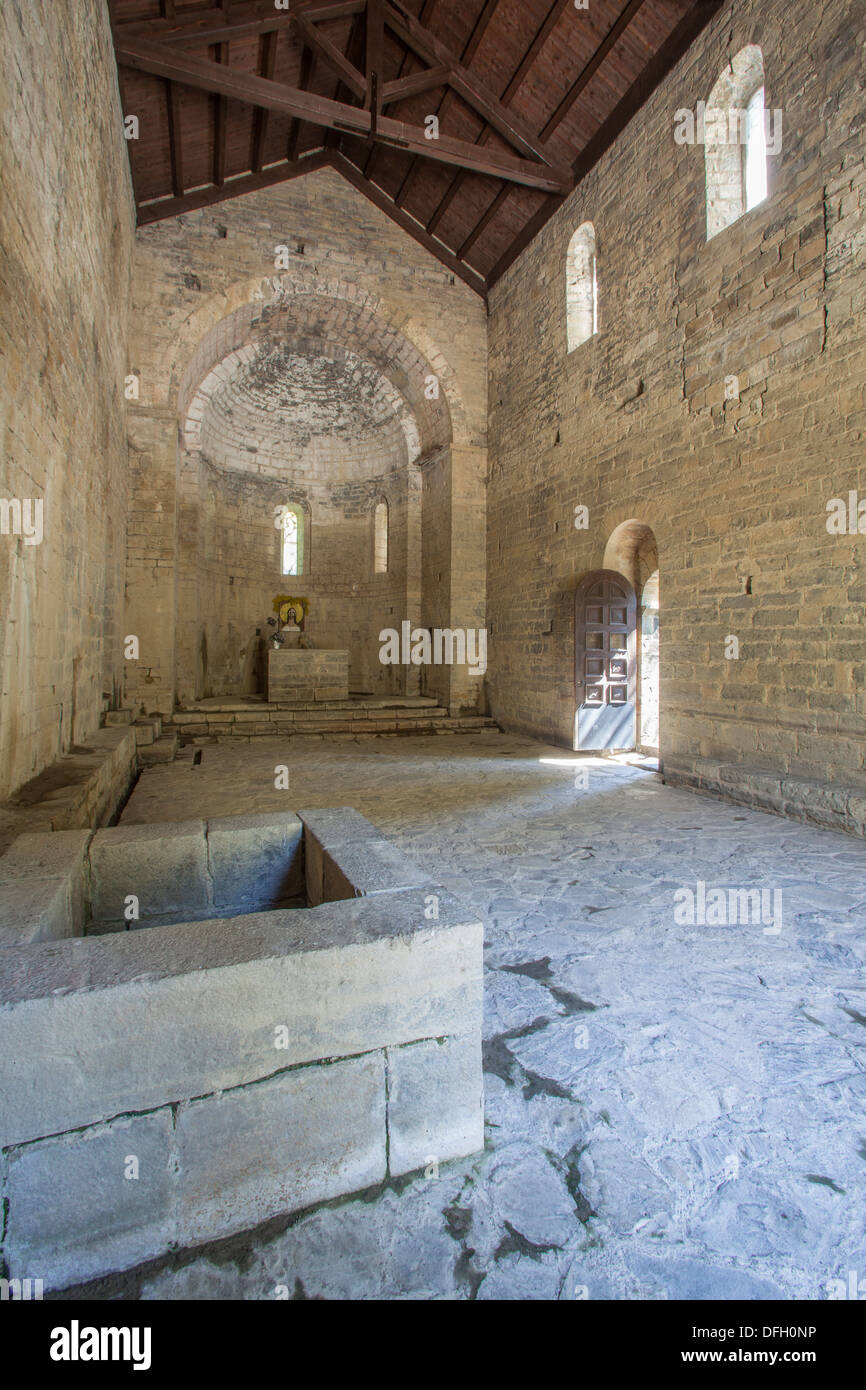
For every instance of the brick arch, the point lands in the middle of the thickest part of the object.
(286, 310)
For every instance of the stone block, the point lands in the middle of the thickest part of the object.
(301, 1137)
(37, 911)
(165, 866)
(435, 1101)
(256, 862)
(73, 1215)
(323, 830)
(372, 866)
(46, 856)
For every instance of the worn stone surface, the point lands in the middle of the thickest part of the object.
(43, 889)
(308, 675)
(73, 1212)
(703, 1136)
(255, 862)
(435, 1101)
(209, 997)
(167, 870)
(372, 866)
(296, 1139)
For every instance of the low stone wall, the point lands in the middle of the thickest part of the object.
(167, 1087)
(78, 882)
(308, 675)
(834, 806)
(82, 789)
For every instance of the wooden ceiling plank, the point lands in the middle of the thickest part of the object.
(308, 62)
(353, 174)
(467, 53)
(512, 128)
(483, 222)
(175, 138)
(158, 209)
(425, 80)
(374, 45)
(408, 57)
(583, 79)
(543, 32)
(203, 74)
(260, 120)
(220, 136)
(212, 26)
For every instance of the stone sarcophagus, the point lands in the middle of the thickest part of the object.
(281, 1023)
(296, 674)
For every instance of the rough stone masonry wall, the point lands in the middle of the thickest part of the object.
(66, 231)
(191, 274)
(634, 424)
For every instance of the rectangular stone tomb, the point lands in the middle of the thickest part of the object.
(296, 675)
(251, 1060)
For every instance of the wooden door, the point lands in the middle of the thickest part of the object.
(605, 662)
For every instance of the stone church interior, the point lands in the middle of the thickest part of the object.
(432, 618)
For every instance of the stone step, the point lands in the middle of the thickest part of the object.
(187, 720)
(321, 728)
(113, 717)
(163, 750)
(147, 731)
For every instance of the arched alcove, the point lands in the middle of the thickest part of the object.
(303, 401)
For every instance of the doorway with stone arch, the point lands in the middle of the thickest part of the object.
(617, 647)
(632, 551)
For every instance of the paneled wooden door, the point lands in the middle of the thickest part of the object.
(605, 611)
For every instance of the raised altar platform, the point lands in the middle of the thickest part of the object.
(307, 675)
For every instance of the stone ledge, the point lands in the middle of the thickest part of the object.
(797, 798)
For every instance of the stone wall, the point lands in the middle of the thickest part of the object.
(66, 233)
(634, 424)
(305, 381)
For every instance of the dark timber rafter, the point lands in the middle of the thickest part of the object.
(164, 60)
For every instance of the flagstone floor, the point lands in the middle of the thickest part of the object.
(673, 1111)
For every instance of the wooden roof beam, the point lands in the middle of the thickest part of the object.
(512, 128)
(353, 174)
(205, 75)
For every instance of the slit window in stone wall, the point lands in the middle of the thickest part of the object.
(755, 171)
(581, 287)
(735, 146)
(380, 538)
(292, 541)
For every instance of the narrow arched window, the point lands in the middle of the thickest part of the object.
(292, 540)
(581, 287)
(380, 538)
(755, 163)
(734, 137)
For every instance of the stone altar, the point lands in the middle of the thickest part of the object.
(295, 674)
